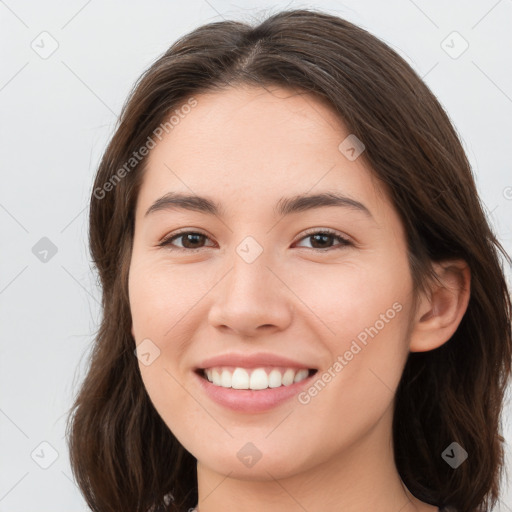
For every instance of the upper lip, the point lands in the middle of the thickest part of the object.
(252, 361)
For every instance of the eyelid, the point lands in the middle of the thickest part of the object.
(327, 231)
(345, 240)
(175, 234)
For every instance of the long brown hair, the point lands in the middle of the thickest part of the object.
(123, 455)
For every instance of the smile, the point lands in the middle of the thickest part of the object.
(262, 396)
(255, 378)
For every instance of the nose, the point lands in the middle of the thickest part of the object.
(252, 299)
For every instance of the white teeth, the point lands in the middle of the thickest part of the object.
(240, 379)
(225, 379)
(216, 377)
(274, 379)
(288, 377)
(258, 378)
(300, 375)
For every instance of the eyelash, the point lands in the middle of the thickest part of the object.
(344, 242)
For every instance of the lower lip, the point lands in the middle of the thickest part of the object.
(249, 400)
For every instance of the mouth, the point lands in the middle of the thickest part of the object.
(255, 379)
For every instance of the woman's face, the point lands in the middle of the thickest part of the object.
(265, 280)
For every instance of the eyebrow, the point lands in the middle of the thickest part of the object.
(285, 205)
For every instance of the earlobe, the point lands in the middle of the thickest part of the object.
(439, 314)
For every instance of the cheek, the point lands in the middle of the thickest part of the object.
(159, 296)
(157, 305)
(354, 299)
(355, 391)
(366, 318)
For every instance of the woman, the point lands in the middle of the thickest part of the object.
(273, 372)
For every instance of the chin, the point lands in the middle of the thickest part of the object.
(248, 463)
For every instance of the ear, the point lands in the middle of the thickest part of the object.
(439, 313)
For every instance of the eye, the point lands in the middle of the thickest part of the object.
(322, 237)
(191, 239)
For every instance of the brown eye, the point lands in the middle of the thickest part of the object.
(191, 240)
(321, 240)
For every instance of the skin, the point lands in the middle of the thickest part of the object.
(245, 148)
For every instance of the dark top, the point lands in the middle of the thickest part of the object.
(441, 509)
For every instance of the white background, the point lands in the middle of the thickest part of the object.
(57, 115)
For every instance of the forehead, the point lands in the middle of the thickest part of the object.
(246, 145)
